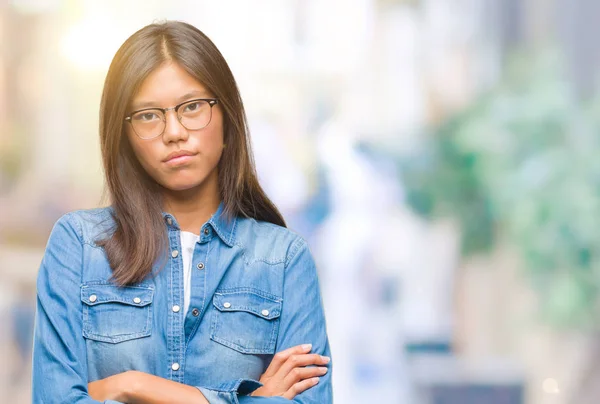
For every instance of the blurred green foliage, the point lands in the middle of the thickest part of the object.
(522, 164)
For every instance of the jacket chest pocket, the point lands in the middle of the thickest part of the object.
(246, 320)
(116, 314)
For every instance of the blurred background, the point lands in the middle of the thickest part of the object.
(439, 156)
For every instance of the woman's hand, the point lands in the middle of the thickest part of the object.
(290, 373)
(112, 388)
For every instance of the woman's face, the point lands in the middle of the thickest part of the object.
(166, 87)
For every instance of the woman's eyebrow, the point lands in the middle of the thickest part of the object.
(194, 93)
(153, 104)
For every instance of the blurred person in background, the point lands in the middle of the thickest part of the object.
(188, 287)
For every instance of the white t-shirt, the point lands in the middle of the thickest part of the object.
(188, 242)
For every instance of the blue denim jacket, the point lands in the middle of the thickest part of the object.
(254, 292)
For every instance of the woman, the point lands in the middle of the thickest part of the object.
(186, 287)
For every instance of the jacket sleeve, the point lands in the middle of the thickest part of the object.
(59, 373)
(302, 321)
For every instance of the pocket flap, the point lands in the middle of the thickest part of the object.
(93, 294)
(249, 301)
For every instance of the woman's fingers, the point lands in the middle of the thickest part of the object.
(281, 357)
(300, 387)
(291, 372)
(298, 374)
(296, 361)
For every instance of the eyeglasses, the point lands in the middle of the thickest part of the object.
(150, 123)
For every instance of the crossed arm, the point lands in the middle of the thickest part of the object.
(288, 375)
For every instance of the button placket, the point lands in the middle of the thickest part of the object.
(198, 282)
(176, 339)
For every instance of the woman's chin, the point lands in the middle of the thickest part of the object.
(186, 182)
(181, 186)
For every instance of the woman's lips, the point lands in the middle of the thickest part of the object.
(179, 160)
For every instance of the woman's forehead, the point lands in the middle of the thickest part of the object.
(169, 83)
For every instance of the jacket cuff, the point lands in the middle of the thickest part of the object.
(227, 393)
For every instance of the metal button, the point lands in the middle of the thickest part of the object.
(93, 298)
(175, 366)
(265, 312)
(137, 300)
(176, 309)
(195, 312)
(174, 253)
(227, 305)
(169, 221)
(200, 265)
(206, 231)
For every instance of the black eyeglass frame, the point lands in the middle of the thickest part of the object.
(211, 102)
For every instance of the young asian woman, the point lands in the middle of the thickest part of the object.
(188, 287)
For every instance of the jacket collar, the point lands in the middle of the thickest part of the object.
(224, 226)
(221, 224)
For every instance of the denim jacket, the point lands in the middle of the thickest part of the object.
(254, 292)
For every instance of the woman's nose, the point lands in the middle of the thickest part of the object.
(174, 130)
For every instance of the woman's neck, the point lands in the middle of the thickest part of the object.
(191, 208)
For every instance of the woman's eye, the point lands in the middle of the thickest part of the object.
(193, 106)
(146, 116)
